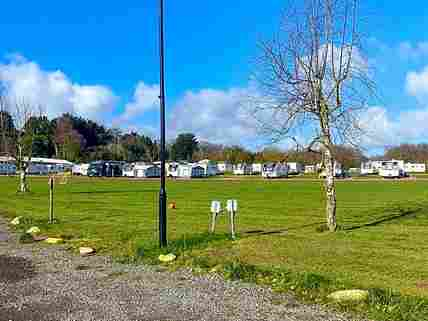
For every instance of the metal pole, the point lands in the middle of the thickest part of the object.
(162, 192)
(51, 201)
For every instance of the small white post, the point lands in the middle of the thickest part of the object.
(232, 208)
(215, 210)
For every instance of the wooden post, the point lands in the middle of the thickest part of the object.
(51, 200)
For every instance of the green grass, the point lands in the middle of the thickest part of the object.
(382, 242)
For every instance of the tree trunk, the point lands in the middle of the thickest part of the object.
(330, 189)
(23, 188)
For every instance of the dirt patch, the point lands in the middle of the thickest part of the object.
(422, 285)
(14, 269)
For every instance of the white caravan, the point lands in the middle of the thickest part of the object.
(224, 167)
(146, 170)
(190, 171)
(371, 167)
(128, 170)
(392, 169)
(295, 168)
(338, 170)
(257, 168)
(310, 169)
(275, 170)
(242, 169)
(415, 167)
(7, 165)
(80, 169)
(210, 167)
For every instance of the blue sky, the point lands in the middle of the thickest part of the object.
(102, 56)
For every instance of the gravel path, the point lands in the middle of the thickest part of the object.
(39, 283)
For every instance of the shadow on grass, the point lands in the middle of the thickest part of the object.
(403, 213)
(115, 192)
(251, 233)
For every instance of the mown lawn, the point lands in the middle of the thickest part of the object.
(383, 241)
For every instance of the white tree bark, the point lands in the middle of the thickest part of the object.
(330, 189)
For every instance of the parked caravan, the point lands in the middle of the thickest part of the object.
(242, 169)
(80, 169)
(172, 169)
(275, 170)
(415, 167)
(128, 170)
(147, 170)
(257, 168)
(338, 171)
(392, 169)
(295, 168)
(224, 167)
(7, 165)
(209, 166)
(105, 169)
(310, 169)
(371, 167)
(190, 171)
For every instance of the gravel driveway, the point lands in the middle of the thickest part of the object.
(39, 283)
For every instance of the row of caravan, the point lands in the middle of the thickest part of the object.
(391, 168)
(35, 166)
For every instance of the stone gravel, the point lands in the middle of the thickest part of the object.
(43, 283)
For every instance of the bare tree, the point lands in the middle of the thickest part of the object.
(312, 81)
(23, 112)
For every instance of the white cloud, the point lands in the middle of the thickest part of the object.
(53, 90)
(214, 115)
(417, 84)
(146, 97)
(383, 130)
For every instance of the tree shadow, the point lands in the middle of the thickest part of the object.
(260, 232)
(114, 192)
(403, 213)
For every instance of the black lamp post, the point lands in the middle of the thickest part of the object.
(162, 192)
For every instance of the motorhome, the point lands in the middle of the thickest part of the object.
(275, 170)
(392, 169)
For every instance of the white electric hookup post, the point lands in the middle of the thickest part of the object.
(232, 208)
(215, 210)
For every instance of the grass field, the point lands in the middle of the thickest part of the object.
(382, 243)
